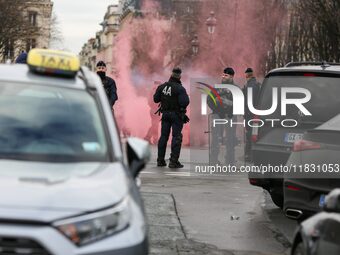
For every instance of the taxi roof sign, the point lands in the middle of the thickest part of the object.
(53, 62)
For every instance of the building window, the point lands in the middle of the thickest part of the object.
(30, 44)
(32, 18)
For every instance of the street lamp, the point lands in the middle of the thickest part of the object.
(173, 18)
(195, 45)
(211, 23)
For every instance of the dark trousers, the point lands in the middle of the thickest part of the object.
(170, 121)
(217, 137)
(248, 141)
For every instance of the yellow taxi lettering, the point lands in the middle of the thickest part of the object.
(53, 62)
(64, 64)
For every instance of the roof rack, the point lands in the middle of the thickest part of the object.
(323, 64)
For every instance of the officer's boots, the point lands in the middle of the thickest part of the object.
(175, 164)
(161, 163)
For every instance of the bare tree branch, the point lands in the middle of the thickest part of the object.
(57, 39)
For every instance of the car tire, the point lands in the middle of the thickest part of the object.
(277, 199)
(299, 249)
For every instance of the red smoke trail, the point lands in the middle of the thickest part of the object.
(244, 36)
(137, 56)
(131, 110)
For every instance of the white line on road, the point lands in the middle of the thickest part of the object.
(187, 174)
(144, 172)
(184, 174)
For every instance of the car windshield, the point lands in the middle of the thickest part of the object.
(324, 104)
(50, 124)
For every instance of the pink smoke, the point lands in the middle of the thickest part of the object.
(143, 47)
(131, 109)
(135, 78)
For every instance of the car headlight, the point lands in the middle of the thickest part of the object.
(95, 226)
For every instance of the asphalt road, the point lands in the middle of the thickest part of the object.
(193, 214)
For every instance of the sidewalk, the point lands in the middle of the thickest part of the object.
(166, 235)
(179, 224)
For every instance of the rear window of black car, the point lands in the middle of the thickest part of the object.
(324, 88)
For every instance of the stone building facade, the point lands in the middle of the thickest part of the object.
(180, 12)
(101, 46)
(38, 14)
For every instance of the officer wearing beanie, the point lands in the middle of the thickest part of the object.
(224, 111)
(173, 100)
(108, 83)
(255, 86)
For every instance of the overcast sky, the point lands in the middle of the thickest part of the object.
(79, 20)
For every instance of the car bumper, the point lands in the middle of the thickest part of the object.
(268, 156)
(302, 198)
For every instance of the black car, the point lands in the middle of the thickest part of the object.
(273, 142)
(320, 234)
(316, 159)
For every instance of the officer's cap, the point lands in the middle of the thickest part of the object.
(177, 70)
(249, 70)
(229, 70)
(101, 63)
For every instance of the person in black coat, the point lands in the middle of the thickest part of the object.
(22, 58)
(223, 134)
(108, 83)
(173, 100)
(255, 86)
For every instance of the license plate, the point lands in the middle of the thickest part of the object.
(322, 200)
(293, 137)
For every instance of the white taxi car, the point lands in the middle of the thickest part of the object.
(66, 187)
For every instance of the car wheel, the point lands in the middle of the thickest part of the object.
(299, 249)
(277, 199)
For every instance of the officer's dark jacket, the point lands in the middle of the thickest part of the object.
(22, 58)
(111, 90)
(172, 96)
(223, 110)
(256, 86)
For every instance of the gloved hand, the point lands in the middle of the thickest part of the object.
(185, 119)
(183, 116)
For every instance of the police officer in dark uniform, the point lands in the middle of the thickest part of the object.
(173, 100)
(224, 111)
(108, 83)
(255, 86)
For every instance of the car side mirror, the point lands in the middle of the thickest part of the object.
(138, 154)
(332, 202)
